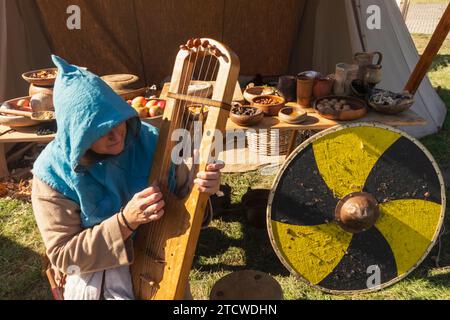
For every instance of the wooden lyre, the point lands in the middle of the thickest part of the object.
(164, 249)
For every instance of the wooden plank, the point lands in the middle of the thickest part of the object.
(25, 135)
(199, 100)
(237, 95)
(436, 41)
(4, 172)
(292, 142)
(316, 122)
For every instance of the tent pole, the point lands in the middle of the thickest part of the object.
(430, 52)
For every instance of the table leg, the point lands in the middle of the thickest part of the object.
(292, 143)
(4, 172)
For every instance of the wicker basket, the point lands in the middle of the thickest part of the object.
(269, 142)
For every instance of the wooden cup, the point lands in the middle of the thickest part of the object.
(304, 91)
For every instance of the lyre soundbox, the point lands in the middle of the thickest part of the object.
(164, 249)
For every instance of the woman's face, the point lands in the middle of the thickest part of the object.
(113, 142)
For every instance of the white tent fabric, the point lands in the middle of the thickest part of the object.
(332, 31)
(400, 58)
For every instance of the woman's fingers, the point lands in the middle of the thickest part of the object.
(208, 190)
(206, 183)
(148, 191)
(156, 216)
(215, 166)
(209, 175)
(154, 208)
(209, 181)
(151, 199)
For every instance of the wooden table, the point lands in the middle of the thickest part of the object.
(314, 122)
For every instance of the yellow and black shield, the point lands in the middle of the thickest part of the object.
(353, 201)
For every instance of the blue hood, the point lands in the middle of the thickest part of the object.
(86, 109)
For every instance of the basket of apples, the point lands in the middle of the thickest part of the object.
(148, 107)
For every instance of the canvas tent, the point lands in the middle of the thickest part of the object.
(271, 37)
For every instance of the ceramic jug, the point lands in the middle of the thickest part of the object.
(373, 75)
(363, 59)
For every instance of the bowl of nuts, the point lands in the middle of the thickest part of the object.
(270, 105)
(388, 102)
(245, 116)
(41, 78)
(342, 108)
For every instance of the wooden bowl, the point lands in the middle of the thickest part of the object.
(122, 82)
(17, 121)
(358, 109)
(31, 77)
(253, 92)
(247, 285)
(244, 120)
(404, 102)
(195, 110)
(270, 109)
(200, 89)
(154, 121)
(292, 115)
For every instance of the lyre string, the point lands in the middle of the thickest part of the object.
(202, 95)
(205, 95)
(179, 106)
(167, 164)
(179, 118)
(206, 91)
(163, 187)
(185, 115)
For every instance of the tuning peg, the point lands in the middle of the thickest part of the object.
(197, 42)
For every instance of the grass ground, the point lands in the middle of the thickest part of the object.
(230, 244)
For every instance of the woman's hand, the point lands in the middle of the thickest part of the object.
(209, 181)
(145, 206)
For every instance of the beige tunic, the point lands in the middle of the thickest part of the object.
(68, 244)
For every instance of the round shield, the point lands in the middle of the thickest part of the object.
(356, 208)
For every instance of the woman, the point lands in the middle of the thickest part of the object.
(90, 190)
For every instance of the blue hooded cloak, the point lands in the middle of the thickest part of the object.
(86, 109)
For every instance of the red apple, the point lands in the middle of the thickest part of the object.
(150, 104)
(162, 104)
(138, 102)
(23, 103)
(155, 111)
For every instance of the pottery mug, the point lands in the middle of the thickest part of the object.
(304, 90)
(287, 88)
(363, 59)
(345, 74)
(323, 86)
(373, 75)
